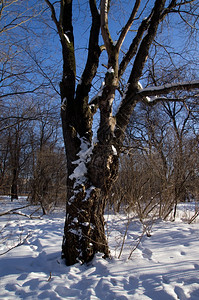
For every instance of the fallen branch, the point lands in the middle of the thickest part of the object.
(14, 212)
(17, 245)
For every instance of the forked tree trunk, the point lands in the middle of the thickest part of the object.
(91, 168)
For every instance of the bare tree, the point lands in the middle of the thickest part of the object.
(14, 147)
(15, 69)
(160, 161)
(21, 74)
(48, 177)
(93, 164)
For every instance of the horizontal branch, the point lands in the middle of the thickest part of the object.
(13, 210)
(169, 87)
(156, 93)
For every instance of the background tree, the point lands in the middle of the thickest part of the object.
(31, 151)
(16, 71)
(157, 168)
(14, 144)
(48, 177)
(28, 92)
(93, 164)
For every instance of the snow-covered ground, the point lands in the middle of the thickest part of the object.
(163, 266)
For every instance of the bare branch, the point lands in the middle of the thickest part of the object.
(167, 88)
(2, 7)
(89, 72)
(153, 101)
(54, 18)
(65, 31)
(20, 93)
(193, 217)
(193, 27)
(129, 102)
(94, 50)
(133, 47)
(128, 25)
(20, 19)
(104, 26)
(12, 210)
(145, 45)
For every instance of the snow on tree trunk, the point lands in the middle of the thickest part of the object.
(84, 233)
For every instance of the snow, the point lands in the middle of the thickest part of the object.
(79, 171)
(151, 99)
(140, 85)
(160, 88)
(148, 99)
(84, 157)
(67, 38)
(63, 104)
(163, 266)
(110, 70)
(114, 150)
(80, 81)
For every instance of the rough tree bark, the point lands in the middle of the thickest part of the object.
(93, 166)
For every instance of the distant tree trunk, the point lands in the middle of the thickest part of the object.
(14, 154)
(14, 189)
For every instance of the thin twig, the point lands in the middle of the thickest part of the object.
(139, 241)
(124, 237)
(194, 217)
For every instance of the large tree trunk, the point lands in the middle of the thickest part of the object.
(91, 168)
(84, 227)
(84, 233)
